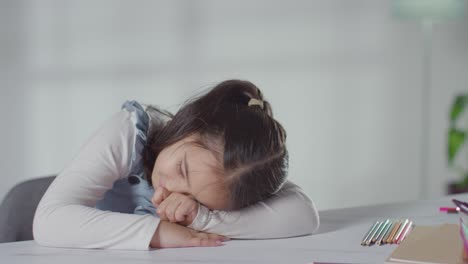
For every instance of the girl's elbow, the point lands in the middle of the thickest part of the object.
(314, 219)
(310, 219)
(306, 219)
(39, 227)
(45, 232)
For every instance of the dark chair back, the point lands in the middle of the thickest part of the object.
(18, 207)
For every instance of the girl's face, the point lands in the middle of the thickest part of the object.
(187, 168)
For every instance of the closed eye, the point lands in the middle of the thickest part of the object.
(179, 169)
(183, 174)
(186, 167)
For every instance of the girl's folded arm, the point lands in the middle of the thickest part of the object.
(66, 216)
(290, 212)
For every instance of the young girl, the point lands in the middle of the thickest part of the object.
(215, 170)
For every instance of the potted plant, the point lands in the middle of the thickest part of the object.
(456, 141)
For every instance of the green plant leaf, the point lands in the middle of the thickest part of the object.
(456, 139)
(458, 106)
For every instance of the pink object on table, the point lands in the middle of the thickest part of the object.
(449, 209)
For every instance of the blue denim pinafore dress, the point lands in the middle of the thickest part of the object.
(132, 194)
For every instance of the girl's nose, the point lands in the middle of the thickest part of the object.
(161, 179)
(162, 182)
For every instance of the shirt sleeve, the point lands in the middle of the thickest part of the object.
(66, 216)
(290, 212)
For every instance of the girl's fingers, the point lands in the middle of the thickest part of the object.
(184, 210)
(171, 208)
(217, 237)
(161, 210)
(176, 207)
(204, 242)
(162, 215)
(180, 213)
(157, 197)
(172, 235)
(160, 195)
(209, 236)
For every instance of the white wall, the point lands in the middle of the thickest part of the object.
(449, 77)
(344, 77)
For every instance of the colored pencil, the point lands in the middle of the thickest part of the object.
(389, 231)
(405, 233)
(369, 240)
(363, 243)
(400, 230)
(381, 231)
(384, 233)
(392, 234)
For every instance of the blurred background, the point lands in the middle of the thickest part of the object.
(363, 87)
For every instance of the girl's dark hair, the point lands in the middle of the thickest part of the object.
(255, 159)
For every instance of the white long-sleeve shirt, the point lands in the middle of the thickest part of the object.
(67, 215)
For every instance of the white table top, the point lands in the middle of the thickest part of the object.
(338, 240)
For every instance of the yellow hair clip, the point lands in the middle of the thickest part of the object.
(254, 101)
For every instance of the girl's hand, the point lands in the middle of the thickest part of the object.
(171, 235)
(175, 207)
(159, 195)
